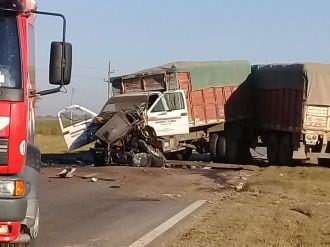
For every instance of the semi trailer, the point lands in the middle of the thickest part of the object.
(292, 110)
(19, 157)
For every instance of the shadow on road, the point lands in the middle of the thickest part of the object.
(58, 159)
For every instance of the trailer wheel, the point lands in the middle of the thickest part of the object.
(285, 151)
(273, 149)
(233, 144)
(213, 146)
(221, 149)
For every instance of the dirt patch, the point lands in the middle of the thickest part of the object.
(279, 206)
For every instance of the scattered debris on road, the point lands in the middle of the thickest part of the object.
(66, 173)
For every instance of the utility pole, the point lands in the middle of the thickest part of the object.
(109, 80)
(72, 93)
(71, 101)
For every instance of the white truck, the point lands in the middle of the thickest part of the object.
(185, 106)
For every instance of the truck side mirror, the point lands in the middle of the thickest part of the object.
(60, 63)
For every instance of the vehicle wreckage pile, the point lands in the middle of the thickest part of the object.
(123, 138)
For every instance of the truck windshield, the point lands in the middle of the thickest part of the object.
(10, 64)
(124, 102)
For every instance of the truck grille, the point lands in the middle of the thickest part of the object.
(3, 152)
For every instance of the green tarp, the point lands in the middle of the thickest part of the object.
(312, 78)
(209, 73)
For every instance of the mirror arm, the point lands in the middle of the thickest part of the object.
(63, 41)
(53, 14)
(49, 91)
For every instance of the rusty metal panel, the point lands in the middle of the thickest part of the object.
(279, 109)
(156, 82)
(208, 105)
(221, 101)
(197, 106)
(184, 82)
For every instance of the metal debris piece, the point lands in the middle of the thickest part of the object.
(66, 173)
(87, 176)
(62, 173)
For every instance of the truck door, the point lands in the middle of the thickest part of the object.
(169, 114)
(77, 126)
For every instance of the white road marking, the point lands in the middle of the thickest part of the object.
(153, 234)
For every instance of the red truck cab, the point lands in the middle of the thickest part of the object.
(19, 157)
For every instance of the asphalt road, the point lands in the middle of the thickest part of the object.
(75, 212)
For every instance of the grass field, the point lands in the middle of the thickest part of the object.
(280, 206)
(51, 143)
(47, 126)
(49, 137)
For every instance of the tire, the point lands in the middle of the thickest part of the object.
(285, 150)
(221, 149)
(273, 149)
(213, 146)
(245, 154)
(233, 144)
(99, 158)
(99, 154)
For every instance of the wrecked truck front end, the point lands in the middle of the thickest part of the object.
(124, 139)
(119, 132)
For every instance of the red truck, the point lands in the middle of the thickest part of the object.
(19, 157)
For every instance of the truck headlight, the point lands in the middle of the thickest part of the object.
(12, 188)
(311, 139)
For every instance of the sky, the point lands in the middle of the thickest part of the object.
(135, 35)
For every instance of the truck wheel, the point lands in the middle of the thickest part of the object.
(213, 146)
(233, 144)
(232, 150)
(245, 155)
(285, 151)
(221, 149)
(273, 149)
(99, 159)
